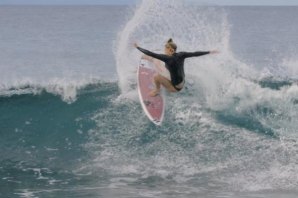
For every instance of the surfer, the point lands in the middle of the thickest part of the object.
(174, 62)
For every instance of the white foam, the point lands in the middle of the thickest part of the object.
(290, 67)
(193, 29)
(219, 83)
(26, 193)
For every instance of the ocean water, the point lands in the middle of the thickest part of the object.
(71, 124)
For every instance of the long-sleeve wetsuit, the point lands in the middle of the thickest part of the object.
(174, 63)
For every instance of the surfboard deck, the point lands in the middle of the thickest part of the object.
(154, 107)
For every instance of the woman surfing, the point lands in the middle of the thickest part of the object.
(174, 62)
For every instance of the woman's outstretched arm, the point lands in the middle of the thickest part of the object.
(198, 53)
(161, 57)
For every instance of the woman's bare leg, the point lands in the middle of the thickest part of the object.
(161, 80)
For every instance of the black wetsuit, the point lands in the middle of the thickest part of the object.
(174, 63)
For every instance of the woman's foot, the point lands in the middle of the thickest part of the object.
(154, 93)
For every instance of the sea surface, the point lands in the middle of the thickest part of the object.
(71, 124)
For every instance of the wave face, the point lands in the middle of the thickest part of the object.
(103, 144)
(231, 132)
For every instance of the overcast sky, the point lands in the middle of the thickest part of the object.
(116, 2)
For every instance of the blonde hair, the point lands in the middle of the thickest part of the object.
(171, 44)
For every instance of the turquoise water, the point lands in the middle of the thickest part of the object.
(71, 124)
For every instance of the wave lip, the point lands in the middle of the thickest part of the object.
(66, 89)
